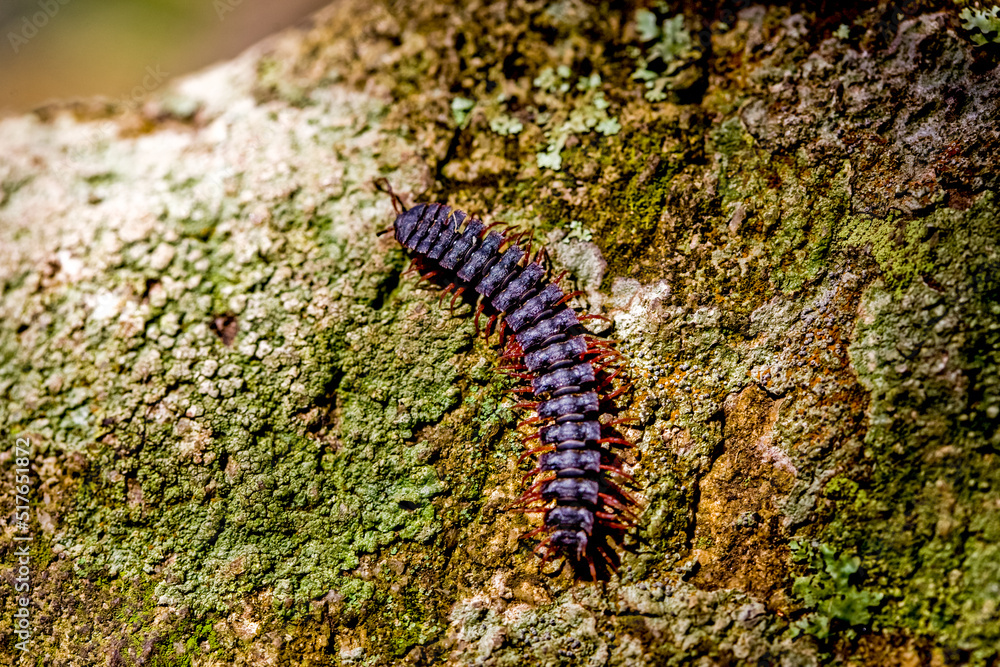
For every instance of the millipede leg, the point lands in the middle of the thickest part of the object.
(568, 297)
(619, 472)
(382, 184)
(458, 293)
(617, 392)
(608, 379)
(503, 332)
(532, 533)
(607, 558)
(612, 521)
(531, 473)
(624, 494)
(524, 501)
(604, 366)
(479, 311)
(489, 326)
(542, 259)
(548, 552)
(444, 293)
(614, 503)
(534, 451)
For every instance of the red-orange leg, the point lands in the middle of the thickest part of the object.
(611, 563)
(608, 500)
(623, 492)
(503, 332)
(608, 379)
(489, 326)
(567, 298)
(531, 473)
(383, 185)
(479, 311)
(619, 472)
(532, 533)
(458, 293)
(444, 293)
(536, 450)
(617, 392)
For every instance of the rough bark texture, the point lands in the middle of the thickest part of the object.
(254, 443)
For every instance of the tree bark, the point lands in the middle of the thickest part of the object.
(252, 441)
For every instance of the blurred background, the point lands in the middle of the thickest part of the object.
(65, 49)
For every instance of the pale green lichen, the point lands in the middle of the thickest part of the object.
(984, 24)
(505, 125)
(461, 108)
(829, 589)
(668, 48)
(588, 112)
(577, 232)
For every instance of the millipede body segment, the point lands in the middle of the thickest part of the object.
(567, 370)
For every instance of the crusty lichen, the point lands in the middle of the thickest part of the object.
(257, 443)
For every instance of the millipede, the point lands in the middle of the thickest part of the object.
(569, 372)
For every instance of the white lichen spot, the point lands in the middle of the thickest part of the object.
(585, 262)
(162, 256)
(70, 268)
(104, 305)
(637, 307)
(208, 388)
(192, 439)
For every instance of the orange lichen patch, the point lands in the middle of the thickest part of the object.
(738, 536)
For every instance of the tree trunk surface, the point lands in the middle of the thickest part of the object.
(252, 441)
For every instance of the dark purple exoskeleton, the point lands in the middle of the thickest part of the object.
(582, 506)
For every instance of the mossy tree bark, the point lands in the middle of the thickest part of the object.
(252, 442)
